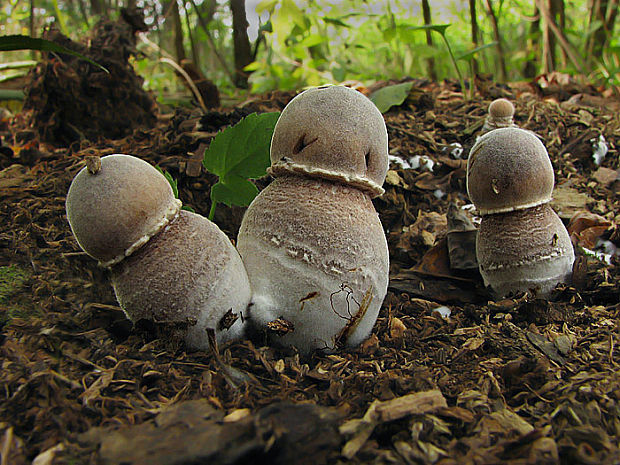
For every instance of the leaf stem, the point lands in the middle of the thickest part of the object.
(212, 210)
(454, 62)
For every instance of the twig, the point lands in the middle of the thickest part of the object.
(190, 83)
(566, 46)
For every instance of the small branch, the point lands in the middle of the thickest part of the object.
(190, 83)
(219, 57)
(564, 43)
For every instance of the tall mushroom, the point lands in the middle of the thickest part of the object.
(312, 242)
(522, 243)
(167, 265)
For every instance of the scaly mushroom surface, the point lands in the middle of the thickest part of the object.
(167, 265)
(312, 242)
(522, 244)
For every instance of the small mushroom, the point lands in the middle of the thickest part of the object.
(522, 244)
(167, 265)
(312, 242)
(501, 113)
(509, 169)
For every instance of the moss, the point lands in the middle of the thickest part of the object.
(12, 280)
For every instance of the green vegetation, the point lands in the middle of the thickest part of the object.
(20, 42)
(237, 154)
(296, 43)
(12, 280)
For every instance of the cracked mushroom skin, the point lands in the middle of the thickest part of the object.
(522, 244)
(312, 241)
(167, 265)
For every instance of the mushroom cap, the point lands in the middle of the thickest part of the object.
(117, 209)
(302, 240)
(501, 108)
(524, 249)
(509, 169)
(332, 132)
(189, 273)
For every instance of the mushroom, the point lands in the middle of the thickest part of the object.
(167, 265)
(501, 112)
(522, 243)
(312, 241)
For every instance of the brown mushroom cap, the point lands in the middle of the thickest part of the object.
(501, 108)
(332, 132)
(524, 249)
(114, 208)
(509, 169)
(188, 274)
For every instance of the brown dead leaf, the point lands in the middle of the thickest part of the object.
(585, 228)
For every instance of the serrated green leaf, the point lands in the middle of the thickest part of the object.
(243, 149)
(20, 42)
(234, 190)
(236, 154)
(389, 96)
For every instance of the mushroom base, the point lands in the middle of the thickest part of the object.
(542, 277)
(189, 276)
(524, 250)
(313, 250)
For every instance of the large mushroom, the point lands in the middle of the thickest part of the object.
(167, 265)
(522, 243)
(312, 242)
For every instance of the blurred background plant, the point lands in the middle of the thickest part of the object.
(290, 44)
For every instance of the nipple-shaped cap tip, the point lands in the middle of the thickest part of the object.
(332, 132)
(501, 108)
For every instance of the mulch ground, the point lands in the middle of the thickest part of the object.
(448, 376)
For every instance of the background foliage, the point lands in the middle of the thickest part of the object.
(297, 43)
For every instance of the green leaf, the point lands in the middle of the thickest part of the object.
(335, 21)
(242, 149)
(440, 28)
(20, 42)
(236, 154)
(173, 183)
(471, 53)
(234, 190)
(386, 97)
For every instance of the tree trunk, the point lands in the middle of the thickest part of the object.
(426, 11)
(241, 42)
(475, 33)
(554, 30)
(96, 7)
(204, 26)
(530, 69)
(179, 49)
(498, 38)
(548, 61)
(559, 16)
(192, 42)
(604, 11)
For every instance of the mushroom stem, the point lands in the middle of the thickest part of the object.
(522, 250)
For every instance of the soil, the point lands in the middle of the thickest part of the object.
(450, 375)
